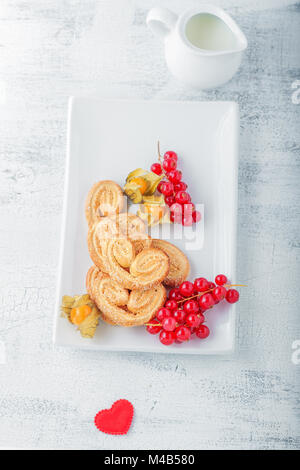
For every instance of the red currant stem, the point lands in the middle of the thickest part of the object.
(209, 290)
(194, 296)
(160, 159)
(235, 285)
(158, 151)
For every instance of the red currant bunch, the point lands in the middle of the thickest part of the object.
(182, 316)
(174, 191)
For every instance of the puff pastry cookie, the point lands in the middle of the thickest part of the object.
(121, 226)
(104, 198)
(145, 270)
(119, 306)
(179, 263)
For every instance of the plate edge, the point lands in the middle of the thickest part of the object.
(64, 218)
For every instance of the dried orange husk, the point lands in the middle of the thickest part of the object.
(153, 180)
(155, 210)
(166, 218)
(142, 183)
(135, 173)
(151, 213)
(154, 200)
(79, 314)
(133, 192)
(88, 327)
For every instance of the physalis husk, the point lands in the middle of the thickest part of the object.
(81, 311)
(153, 214)
(140, 184)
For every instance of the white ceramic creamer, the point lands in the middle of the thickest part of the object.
(203, 47)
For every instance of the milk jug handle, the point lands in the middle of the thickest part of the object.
(161, 21)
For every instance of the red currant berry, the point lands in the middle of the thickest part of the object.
(163, 313)
(171, 154)
(176, 207)
(156, 168)
(202, 332)
(173, 218)
(188, 209)
(182, 333)
(166, 337)
(169, 164)
(182, 197)
(176, 213)
(206, 301)
(211, 285)
(179, 315)
(201, 284)
(169, 324)
(220, 279)
(154, 327)
(159, 186)
(196, 216)
(187, 221)
(232, 296)
(169, 200)
(175, 176)
(219, 293)
(201, 318)
(180, 186)
(193, 320)
(171, 304)
(175, 294)
(191, 306)
(167, 188)
(186, 289)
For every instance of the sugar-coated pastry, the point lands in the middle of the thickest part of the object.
(179, 263)
(131, 226)
(148, 269)
(104, 198)
(119, 306)
(121, 226)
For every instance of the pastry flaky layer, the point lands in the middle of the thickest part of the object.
(104, 198)
(120, 306)
(179, 263)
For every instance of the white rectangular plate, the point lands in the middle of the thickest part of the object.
(106, 140)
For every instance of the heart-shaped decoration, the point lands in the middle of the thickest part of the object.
(116, 420)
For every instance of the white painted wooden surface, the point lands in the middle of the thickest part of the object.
(50, 49)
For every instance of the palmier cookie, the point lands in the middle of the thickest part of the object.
(98, 236)
(93, 276)
(119, 307)
(121, 226)
(179, 263)
(148, 269)
(131, 226)
(104, 198)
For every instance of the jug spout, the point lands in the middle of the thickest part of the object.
(240, 43)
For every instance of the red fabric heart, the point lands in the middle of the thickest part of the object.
(116, 420)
